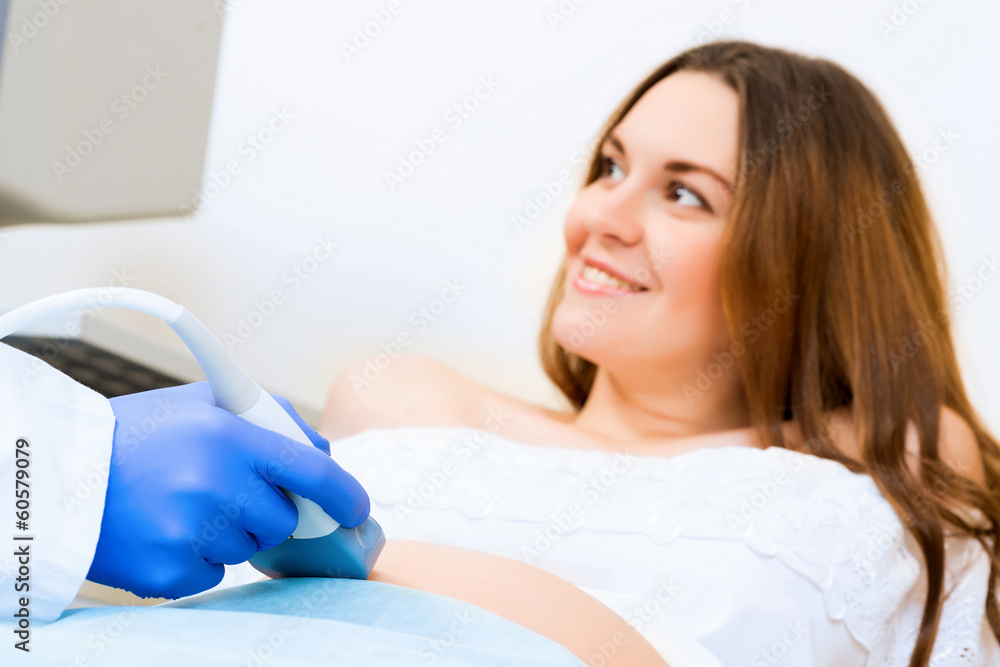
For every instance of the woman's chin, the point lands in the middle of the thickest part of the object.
(579, 325)
(573, 338)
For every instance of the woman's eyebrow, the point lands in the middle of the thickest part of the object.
(681, 166)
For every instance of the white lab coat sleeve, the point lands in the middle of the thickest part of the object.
(62, 481)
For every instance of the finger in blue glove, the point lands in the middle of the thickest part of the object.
(193, 487)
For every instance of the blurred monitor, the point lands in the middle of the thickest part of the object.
(105, 107)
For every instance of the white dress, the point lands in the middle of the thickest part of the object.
(718, 556)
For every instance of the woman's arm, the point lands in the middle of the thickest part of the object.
(522, 593)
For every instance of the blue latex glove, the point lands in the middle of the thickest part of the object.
(192, 486)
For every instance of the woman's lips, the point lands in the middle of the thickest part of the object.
(588, 286)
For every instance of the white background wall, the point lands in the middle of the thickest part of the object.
(323, 175)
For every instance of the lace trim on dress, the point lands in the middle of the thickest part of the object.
(829, 524)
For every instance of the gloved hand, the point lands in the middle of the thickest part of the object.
(192, 486)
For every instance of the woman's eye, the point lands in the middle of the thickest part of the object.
(685, 196)
(677, 192)
(608, 165)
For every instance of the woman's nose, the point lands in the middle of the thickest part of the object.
(615, 213)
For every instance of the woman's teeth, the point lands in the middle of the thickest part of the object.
(595, 275)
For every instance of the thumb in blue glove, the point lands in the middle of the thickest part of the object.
(193, 487)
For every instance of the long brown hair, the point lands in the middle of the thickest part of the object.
(828, 205)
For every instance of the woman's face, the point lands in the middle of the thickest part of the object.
(655, 217)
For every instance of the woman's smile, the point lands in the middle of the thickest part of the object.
(598, 278)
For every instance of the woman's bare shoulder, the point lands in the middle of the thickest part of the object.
(957, 444)
(958, 447)
(413, 390)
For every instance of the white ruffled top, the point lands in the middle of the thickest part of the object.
(719, 556)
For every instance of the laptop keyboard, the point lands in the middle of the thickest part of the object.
(103, 371)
